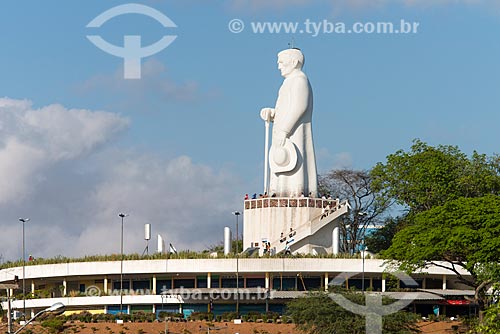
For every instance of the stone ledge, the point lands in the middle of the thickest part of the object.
(289, 202)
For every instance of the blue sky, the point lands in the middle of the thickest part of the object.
(181, 146)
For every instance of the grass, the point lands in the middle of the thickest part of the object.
(157, 256)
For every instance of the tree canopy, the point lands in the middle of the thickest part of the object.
(428, 176)
(461, 234)
(381, 239)
(317, 313)
(453, 211)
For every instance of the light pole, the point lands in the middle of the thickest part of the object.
(122, 216)
(23, 221)
(163, 296)
(56, 309)
(237, 213)
(363, 249)
(363, 274)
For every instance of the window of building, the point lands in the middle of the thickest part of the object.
(201, 282)
(285, 283)
(230, 282)
(141, 285)
(256, 282)
(163, 285)
(311, 283)
(186, 283)
(126, 285)
(377, 284)
(215, 282)
(433, 283)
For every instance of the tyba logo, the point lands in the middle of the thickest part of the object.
(132, 52)
(374, 309)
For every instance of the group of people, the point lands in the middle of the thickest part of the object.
(326, 211)
(290, 235)
(267, 247)
(254, 196)
(265, 195)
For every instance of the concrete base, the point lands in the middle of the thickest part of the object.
(291, 220)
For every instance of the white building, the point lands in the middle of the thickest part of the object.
(187, 285)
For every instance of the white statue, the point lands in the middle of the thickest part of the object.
(291, 157)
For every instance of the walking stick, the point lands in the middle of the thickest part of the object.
(266, 158)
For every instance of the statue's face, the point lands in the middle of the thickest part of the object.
(286, 65)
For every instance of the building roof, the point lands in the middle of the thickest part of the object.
(287, 294)
(454, 292)
(413, 296)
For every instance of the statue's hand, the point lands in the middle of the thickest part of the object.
(267, 114)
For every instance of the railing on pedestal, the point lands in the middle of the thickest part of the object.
(290, 202)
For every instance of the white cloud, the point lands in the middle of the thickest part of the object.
(34, 139)
(18, 164)
(57, 169)
(187, 203)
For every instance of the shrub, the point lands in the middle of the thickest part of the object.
(54, 325)
(229, 316)
(201, 316)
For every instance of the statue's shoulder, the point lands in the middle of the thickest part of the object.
(299, 80)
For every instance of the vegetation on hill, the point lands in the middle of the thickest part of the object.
(453, 212)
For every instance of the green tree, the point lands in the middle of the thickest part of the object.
(381, 239)
(491, 321)
(356, 187)
(317, 313)
(462, 236)
(428, 176)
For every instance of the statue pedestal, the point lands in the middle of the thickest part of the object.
(300, 225)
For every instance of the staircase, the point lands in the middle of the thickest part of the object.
(311, 227)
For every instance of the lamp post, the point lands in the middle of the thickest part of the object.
(363, 250)
(237, 214)
(163, 296)
(363, 274)
(122, 216)
(23, 221)
(57, 308)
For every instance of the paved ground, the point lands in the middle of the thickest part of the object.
(198, 327)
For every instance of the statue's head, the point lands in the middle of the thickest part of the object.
(289, 60)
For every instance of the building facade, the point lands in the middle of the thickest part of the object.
(192, 285)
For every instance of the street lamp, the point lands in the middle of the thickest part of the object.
(23, 221)
(237, 213)
(363, 274)
(364, 248)
(164, 296)
(122, 216)
(56, 309)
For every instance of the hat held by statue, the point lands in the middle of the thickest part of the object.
(283, 158)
